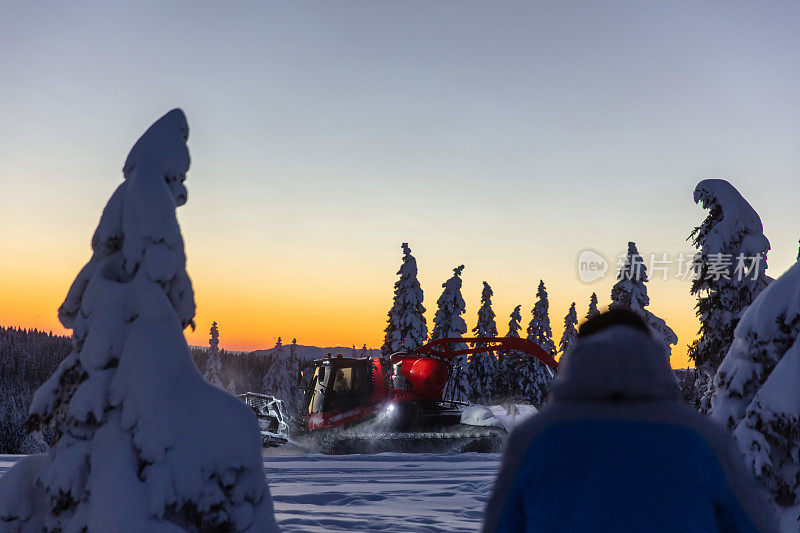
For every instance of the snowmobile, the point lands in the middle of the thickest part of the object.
(272, 418)
(396, 404)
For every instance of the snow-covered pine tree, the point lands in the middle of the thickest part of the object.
(630, 292)
(509, 361)
(686, 380)
(730, 237)
(231, 388)
(294, 396)
(277, 380)
(756, 387)
(534, 377)
(539, 330)
(364, 351)
(448, 323)
(482, 368)
(570, 332)
(213, 366)
(406, 327)
(213, 341)
(145, 443)
(593, 311)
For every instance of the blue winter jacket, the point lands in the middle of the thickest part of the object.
(616, 450)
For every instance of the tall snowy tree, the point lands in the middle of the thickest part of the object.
(756, 387)
(593, 311)
(448, 323)
(294, 397)
(534, 376)
(406, 329)
(730, 268)
(145, 443)
(277, 380)
(630, 292)
(570, 332)
(213, 341)
(213, 365)
(539, 330)
(482, 368)
(509, 360)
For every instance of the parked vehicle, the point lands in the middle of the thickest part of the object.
(272, 417)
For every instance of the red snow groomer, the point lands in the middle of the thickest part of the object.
(396, 404)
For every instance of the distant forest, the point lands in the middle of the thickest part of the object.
(29, 357)
(246, 369)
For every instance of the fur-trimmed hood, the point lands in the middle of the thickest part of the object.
(617, 363)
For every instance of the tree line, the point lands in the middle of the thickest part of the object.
(507, 375)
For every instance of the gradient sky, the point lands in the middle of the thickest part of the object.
(506, 136)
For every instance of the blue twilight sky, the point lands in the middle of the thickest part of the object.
(507, 136)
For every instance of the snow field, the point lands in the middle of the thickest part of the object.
(385, 492)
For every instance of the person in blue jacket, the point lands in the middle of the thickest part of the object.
(615, 449)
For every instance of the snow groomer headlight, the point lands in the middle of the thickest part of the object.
(388, 412)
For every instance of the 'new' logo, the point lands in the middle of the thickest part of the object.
(591, 266)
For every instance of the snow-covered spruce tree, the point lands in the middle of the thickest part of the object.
(407, 328)
(729, 241)
(593, 311)
(509, 361)
(448, 323)
(145, 443)
(539, 330)
(756, 387)
(570, 332)
(687, 380)
(213, 365)
(213, 341)
(534, 376)
(282, 376)
(276, 380)
(482, 368)
(293, 400)
(630, 292)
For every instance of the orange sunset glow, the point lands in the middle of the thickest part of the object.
(320, 303)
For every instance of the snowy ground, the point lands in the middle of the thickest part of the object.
(386, 492)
